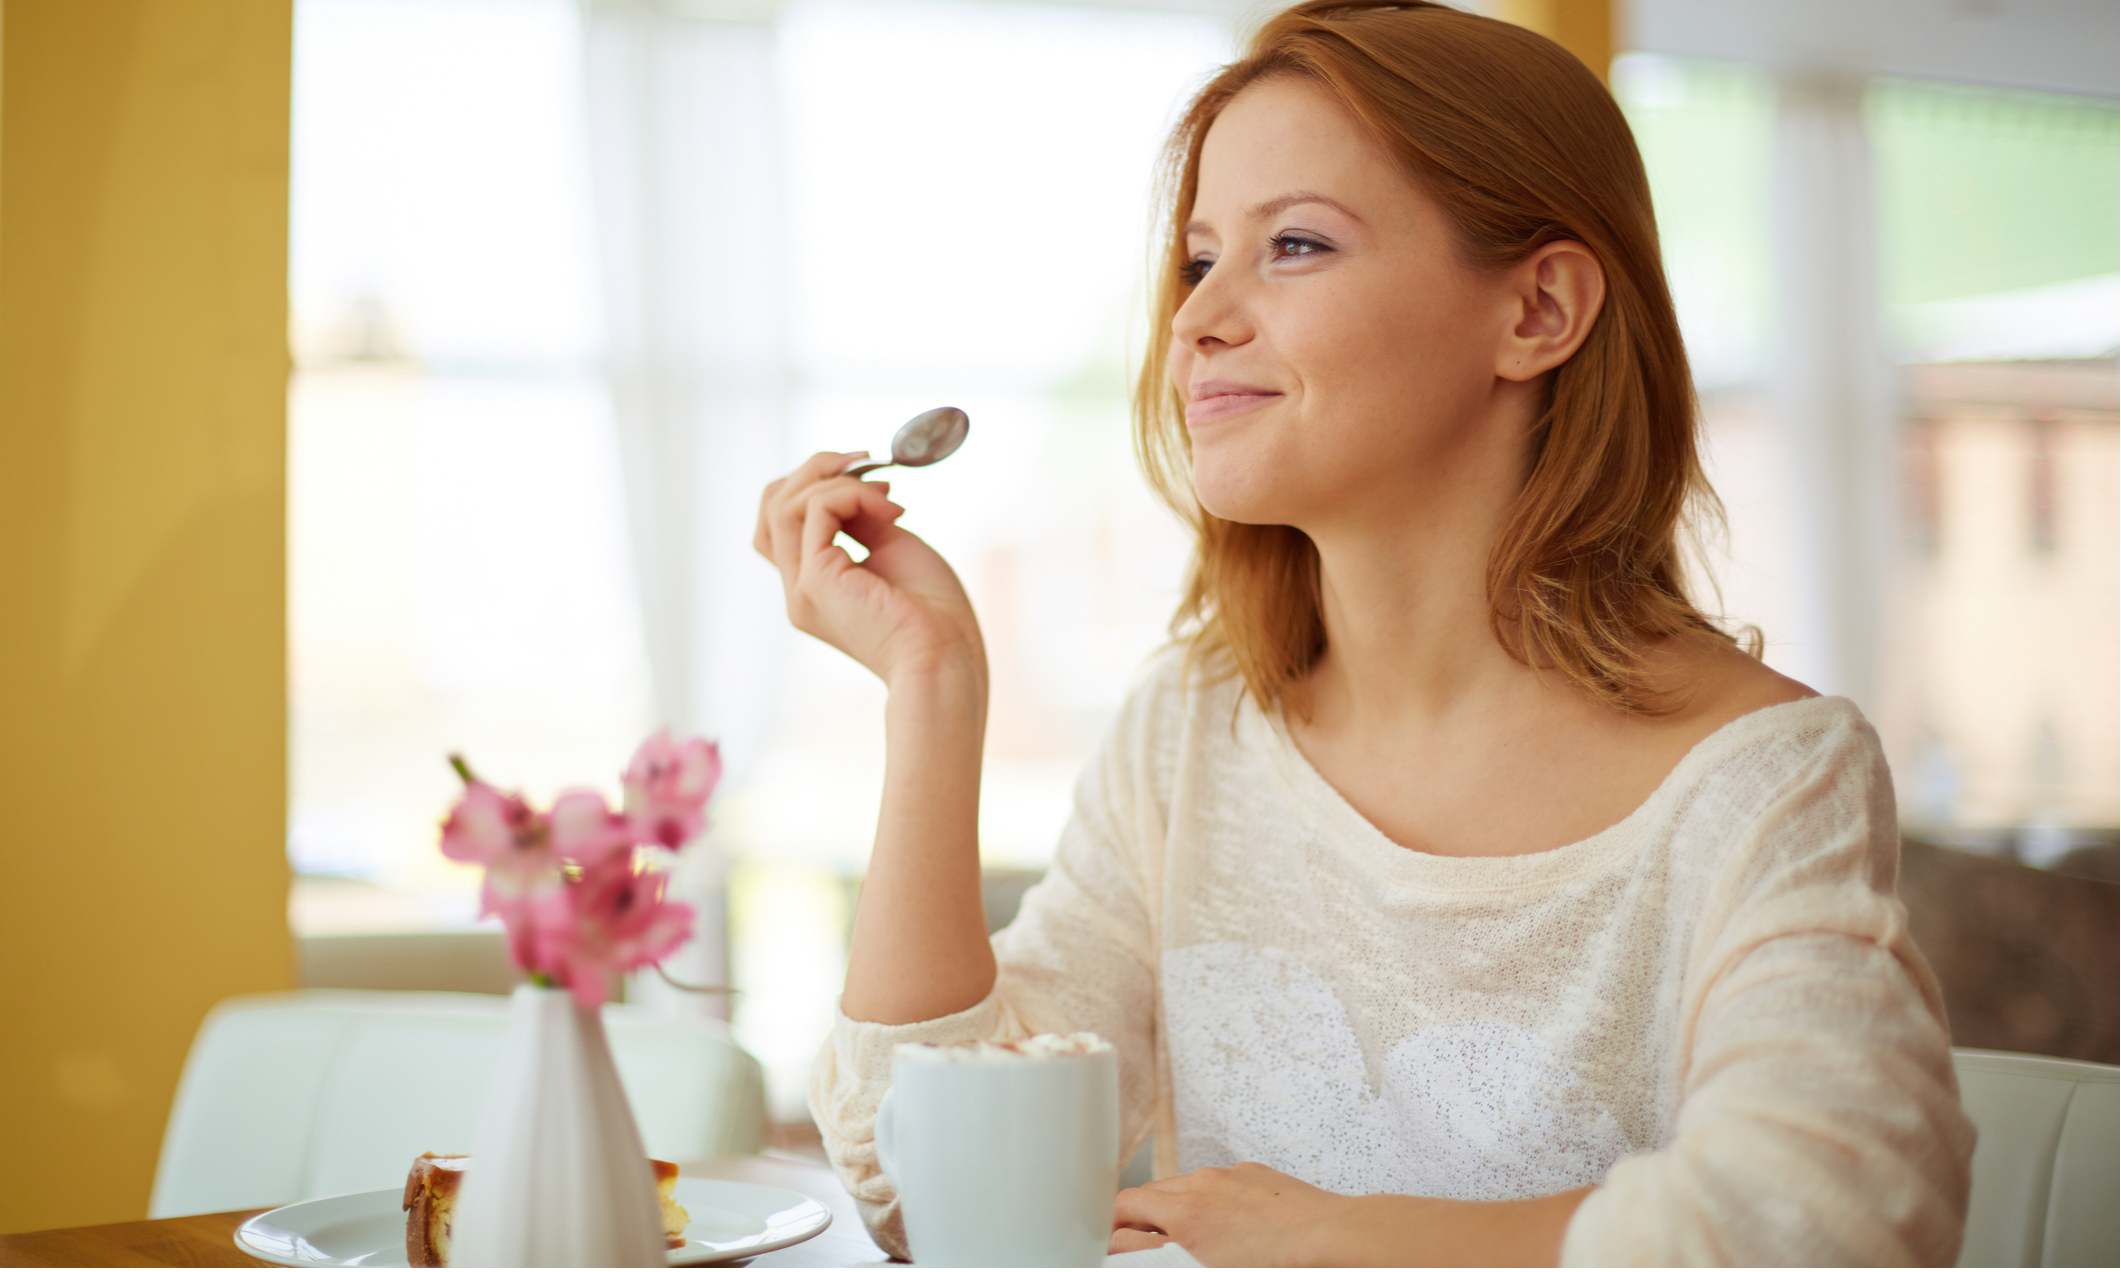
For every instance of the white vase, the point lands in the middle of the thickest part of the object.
(558, 1177)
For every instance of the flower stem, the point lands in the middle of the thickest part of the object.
(542, 981)
(675, 983)
(457, 762)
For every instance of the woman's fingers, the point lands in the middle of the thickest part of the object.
(901, 602)
(813, 567)
(1128, 1239)
(780, 506)
(831, 508)
(789, 510)
(1141, 1218)
(1148, 1208)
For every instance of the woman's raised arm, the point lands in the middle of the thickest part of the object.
(920, 947)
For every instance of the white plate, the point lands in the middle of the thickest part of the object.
(367, 1229)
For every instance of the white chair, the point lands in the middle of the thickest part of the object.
(310, 1094)
(2047, 1169)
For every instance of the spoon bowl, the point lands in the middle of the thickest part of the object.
(927, 438)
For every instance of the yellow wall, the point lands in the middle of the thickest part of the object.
(1583, 27)
(143, 370)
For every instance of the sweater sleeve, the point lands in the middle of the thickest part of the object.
(1819, 1118)
(1080, 956)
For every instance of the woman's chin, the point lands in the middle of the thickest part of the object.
(1252, 480)
(1252, 503)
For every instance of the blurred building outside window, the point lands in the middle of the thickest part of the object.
(1997, 232)
(962, 190)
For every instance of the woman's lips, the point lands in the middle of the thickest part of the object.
(1220, 399)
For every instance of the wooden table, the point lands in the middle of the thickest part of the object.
(208, 1241)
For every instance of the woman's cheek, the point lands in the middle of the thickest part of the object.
(1178, 365)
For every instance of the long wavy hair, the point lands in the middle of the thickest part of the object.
(1521, 146)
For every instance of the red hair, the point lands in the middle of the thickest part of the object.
(1521, 146)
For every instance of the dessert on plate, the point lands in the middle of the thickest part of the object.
(674, 1216)
(431, 1198)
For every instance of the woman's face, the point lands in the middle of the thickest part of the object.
(1335, 355)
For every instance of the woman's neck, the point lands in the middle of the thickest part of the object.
(1408, 636)
(1404, 597)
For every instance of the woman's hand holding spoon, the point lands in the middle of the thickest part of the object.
(901, 612)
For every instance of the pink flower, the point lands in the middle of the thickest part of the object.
(486, 826)
(565, 884)
(506, 835)
(667, 787)
(585, 831)
(622, 919)
(523, 885)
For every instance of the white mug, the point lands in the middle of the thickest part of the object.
(1004, 1157)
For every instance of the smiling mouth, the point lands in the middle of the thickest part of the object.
(1224, 404)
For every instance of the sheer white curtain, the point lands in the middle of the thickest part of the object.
(685, 153)
(458, 565)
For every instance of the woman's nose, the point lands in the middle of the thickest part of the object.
(1212, 316)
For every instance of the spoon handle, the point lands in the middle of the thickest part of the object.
(861, 469)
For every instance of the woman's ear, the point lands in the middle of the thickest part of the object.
(1557, 292)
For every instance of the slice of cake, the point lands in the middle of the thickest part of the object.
(675, 1217)
(431, 1198)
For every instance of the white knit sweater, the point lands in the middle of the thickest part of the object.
(1711, 1010)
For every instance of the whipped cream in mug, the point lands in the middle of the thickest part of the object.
(1037, 1047)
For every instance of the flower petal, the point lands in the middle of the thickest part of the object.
(668, 785)
(586, 831)
(483, 824)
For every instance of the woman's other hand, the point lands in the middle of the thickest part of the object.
(901, 612)
(1254, 1216)
(1246, 1216)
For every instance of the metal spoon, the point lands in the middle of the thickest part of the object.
(927, 438)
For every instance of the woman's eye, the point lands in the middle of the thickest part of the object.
(1289, 246)
(1193, 271)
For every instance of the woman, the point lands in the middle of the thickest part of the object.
(1456, 891)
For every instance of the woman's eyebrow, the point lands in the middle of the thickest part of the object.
(1261, 211)
(1287, 201)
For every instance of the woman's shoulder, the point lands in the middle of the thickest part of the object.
(1744, 721)
(1785, 824)
(1722, 716)
(1784, 782)
(1716, 684)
